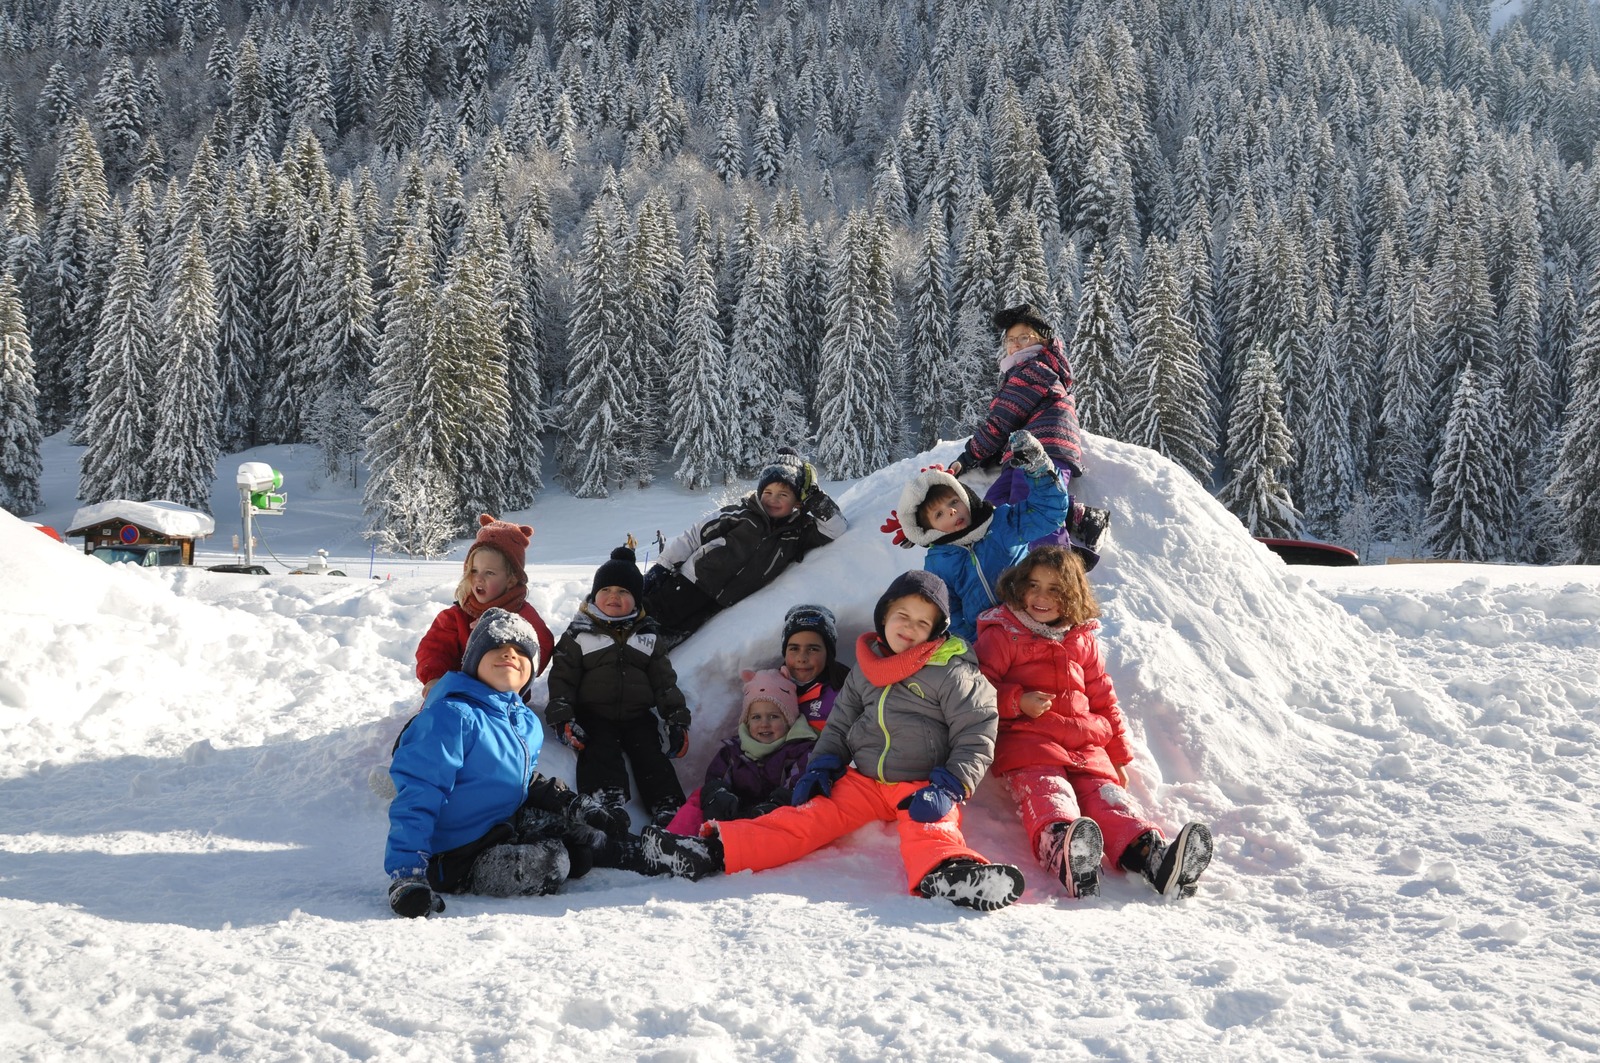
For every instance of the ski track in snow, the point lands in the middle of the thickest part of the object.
(1398, 764)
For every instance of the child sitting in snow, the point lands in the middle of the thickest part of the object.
(610, 679)
(811, 661)
(1036, 394)
(971, 542)
(742, 548)
(754, 772)
(908, 740)
(1062, 749)
(492, 577)
(470, 813)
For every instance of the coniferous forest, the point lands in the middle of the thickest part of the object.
(1340, 260)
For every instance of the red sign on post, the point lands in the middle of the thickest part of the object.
(129, 534)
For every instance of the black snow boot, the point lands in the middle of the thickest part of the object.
(521, 870)
(1089, 525)
(1073, 851)
(972, 884)
(680, 855)
(1172, 869)
(607, 810)
(662, 812)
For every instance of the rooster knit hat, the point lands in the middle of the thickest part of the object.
(494, 628)
(509, 539)
(924, 585)
(769, 684)
(815, 618)
(621, 571)
(1024, 315)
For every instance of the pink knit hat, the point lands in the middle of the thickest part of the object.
(769, 684)
(509, 539)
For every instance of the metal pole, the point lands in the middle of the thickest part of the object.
(244, 512)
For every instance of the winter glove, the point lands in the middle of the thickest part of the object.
(1027, 453)
(719, 802)
(412, 897)
(677, 740)
(818, 779)
(893, 527)
(934, 801)
(808, 480)
(550, 795)
(819, 505)
(571, 736)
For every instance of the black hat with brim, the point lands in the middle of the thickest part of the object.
(1024, 314)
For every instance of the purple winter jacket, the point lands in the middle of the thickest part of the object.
(753, 781)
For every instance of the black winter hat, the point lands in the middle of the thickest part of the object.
(621, 571)
(787, 468)
(494, 628)
(815, 618)
(1024, 314)
(923, 584)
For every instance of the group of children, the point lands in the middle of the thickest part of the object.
(984, 661)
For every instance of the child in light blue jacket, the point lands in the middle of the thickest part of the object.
(970, 541)
(470, 814)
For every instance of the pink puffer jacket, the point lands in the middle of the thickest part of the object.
(1084, 730)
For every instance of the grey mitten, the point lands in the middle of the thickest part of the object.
(1027, 453)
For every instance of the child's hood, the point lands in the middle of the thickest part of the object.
(912, 495)
(799, 731)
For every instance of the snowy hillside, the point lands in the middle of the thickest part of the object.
(1399, 764)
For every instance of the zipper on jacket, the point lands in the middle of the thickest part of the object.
(885, 754)
(982, 579)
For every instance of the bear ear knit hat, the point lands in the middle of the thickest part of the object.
(816, 618)
(496, 627)
(769, 684)
(1024, 314)
(621, 571)
(787, 468)
(509, 539)
(924, 585)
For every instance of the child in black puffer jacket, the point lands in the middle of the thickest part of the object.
(611, 689)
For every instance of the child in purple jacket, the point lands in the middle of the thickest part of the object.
(755, 771)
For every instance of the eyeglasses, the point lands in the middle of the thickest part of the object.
(1025, 339)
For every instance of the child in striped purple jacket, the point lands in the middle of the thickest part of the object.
(1035, 394)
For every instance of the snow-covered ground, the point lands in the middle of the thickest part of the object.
(1399, 764)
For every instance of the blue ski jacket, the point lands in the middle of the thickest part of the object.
(462, 766)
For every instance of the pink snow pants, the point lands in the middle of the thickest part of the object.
(1048, 795)
(787, 834)
(690, 818)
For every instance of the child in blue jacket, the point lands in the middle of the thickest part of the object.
(971, 542)
(470, 814)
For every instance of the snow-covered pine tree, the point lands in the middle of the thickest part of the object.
(655, 269)
(410, 501)
(20, 436)
(596, 398)
(118, 419)
(526, 357)
(1024, 272)
(1259, 452)
(183, 456)
(1404, 436)
(238, 326)
(1168, 409)
(766, 155)
(344, 342)
(697, 387)
(1463, 312)
(1099, 355)
(287, 354)
(936, 388)
(806, 271)
(1464, 522)
(860, 415)
(1576, 484)
(1328, 481)
(757, 371)
(468, 358)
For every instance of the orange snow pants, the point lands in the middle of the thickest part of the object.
(786, 834)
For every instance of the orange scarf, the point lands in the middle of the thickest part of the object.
(511, 601)
(886, 671)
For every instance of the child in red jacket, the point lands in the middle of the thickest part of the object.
(1062, 747)
(492, 577)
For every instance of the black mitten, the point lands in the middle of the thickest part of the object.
(719, 802)
(411, 896)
